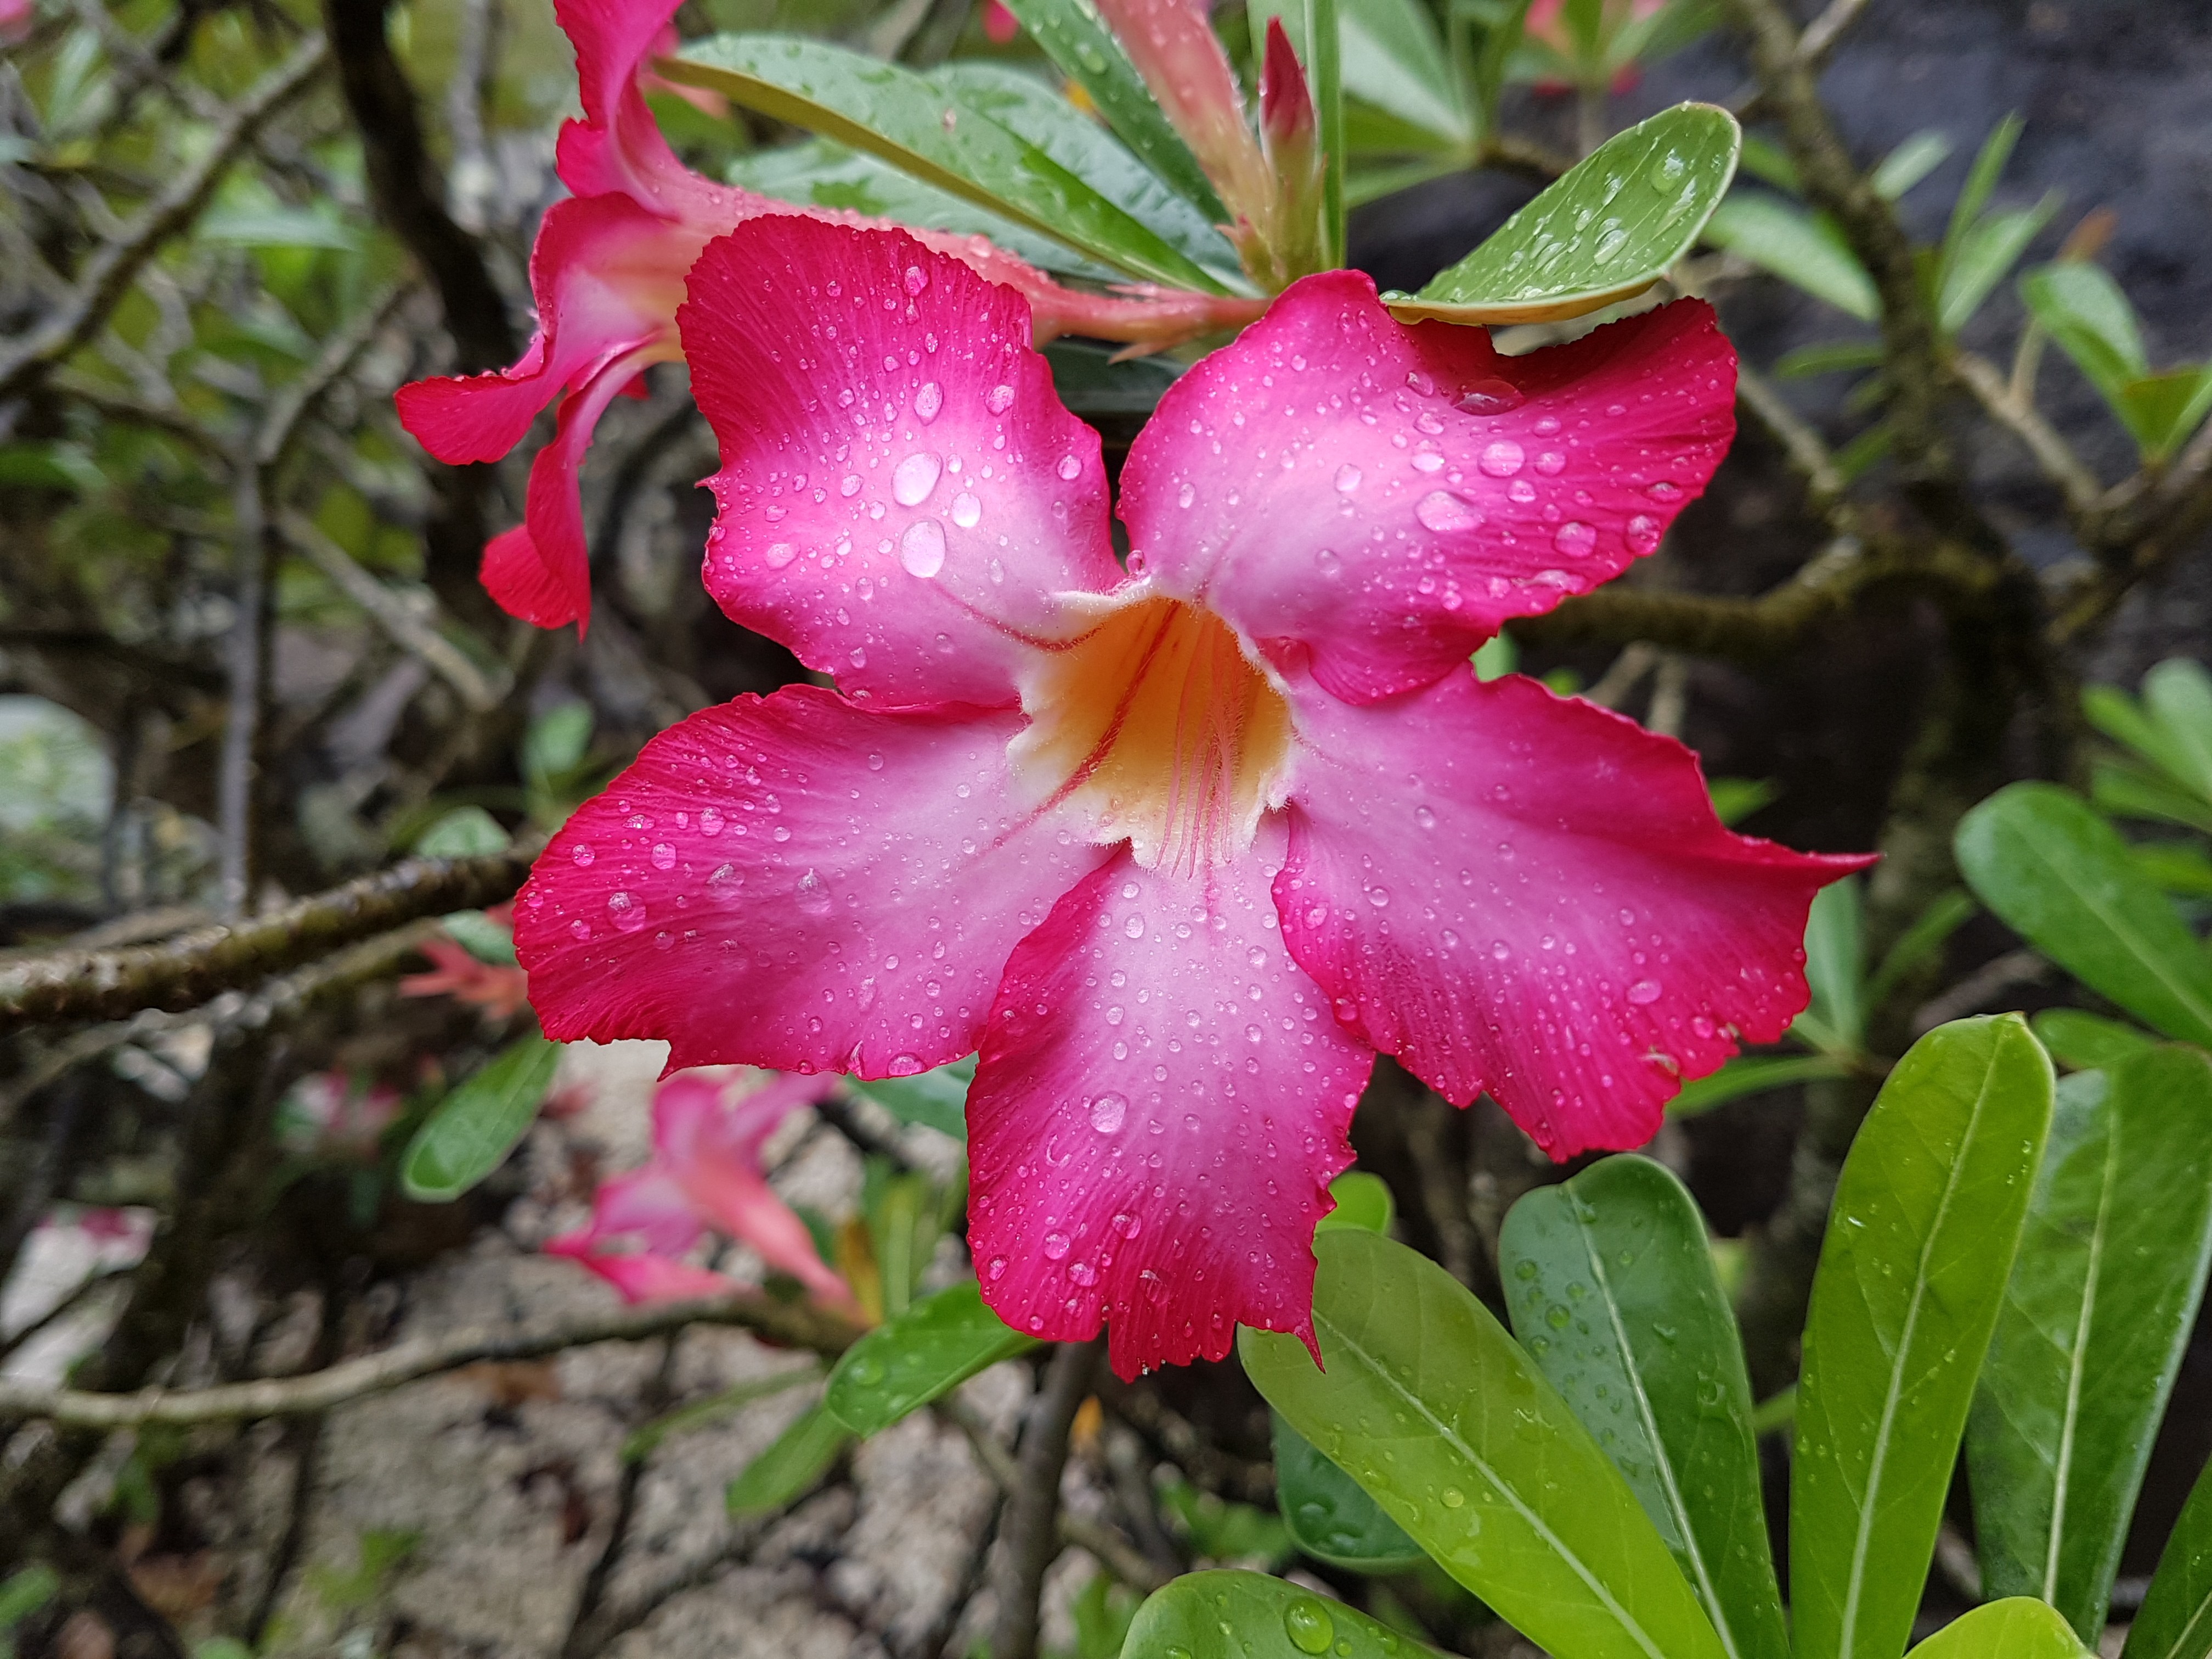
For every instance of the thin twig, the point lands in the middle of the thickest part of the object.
(1029, 1535)
(1824, 484)
(1823, 32)
(2084, 494)
(294, 403)
(792, 1324)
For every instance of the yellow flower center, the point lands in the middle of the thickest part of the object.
(1156, 724)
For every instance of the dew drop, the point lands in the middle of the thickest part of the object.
(928, 401)
(626, 911)
(1001, 399)
(1643, 993)
(921, 549)
(1501, 459)
(778, 555)
(1307, 1625)
(1490, 396)
(1107, 1113)
(663, 856)
(1069, 467)
(1442, 512)
(1055, 1246)
(710, 822)
(914, 477)
(967, 510)
(1575, 538)
(582, 853)
(1643, 532)
(1348, 478)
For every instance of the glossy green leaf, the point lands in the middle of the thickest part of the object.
(937, 1097)
(1610, 1285)
(1363, 1201)
(1247, 1615)
(2082, 308)
(1606, 231)
(927, 1350)
(2061, 877)
(2082, 1043)
(2103, 1296)
(2019, 1628)
(1448, 1422)
(1750, 1074)
(2175, 1620)
(1389, 57)
(922, 128)
(1329, 1516)
(1928, 1214)
(1806, 251)
(790, 1468)
(470, 1132)
(1835, 966)
(1085, 49)
(1988, 249)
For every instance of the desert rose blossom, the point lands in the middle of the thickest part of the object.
(456, 971)
(708, 1127)
(607, 273)
(1177, 847)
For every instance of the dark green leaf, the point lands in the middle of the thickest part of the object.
(927, 1350)
(1610, 1285)
(1363, 1201)
(789, 1468)
(2082, 1043)
(470, 1132)
(1248, 1615)
(1928, 1214)
(2082, 308)
(1804, 251)
(1447, 1423)
(1330, 1518)
(2103, 1297)
(2017, 1629)
(1605, 232)
(937, 1098)
(2058, 875)
(1933, 925)
(1989, 247)
(1750, 1074)
(1085, 50)
(2175, 1621)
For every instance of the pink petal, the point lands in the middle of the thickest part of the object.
(719, 1111)
(647, 1207)
(1160, 1105)
(648, 1278)
(902, 495)
(1526, 894)
(1327, 484)
(795, 883)
(1172, 44)
(617, 147)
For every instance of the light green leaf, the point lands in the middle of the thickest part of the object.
(1835, 961)
(647, 1437)
(1448, 1424)
(2103, 1297)
(1329, 1516)
(789, 1468)
(1764, 159)
(2060, 876)
(1606, 231)
(1363, 1201)
(1085, 49)
(2180, 868)
(2175, 1621)
(1803, 251)
(1610, 1285)
(2082, 308)
(1828, 357)
(2177, 694)
(467, 832)
(557, 743)
(923, 129)
(1248, 1615)
(470, 1132)
(1981, 180)
(1390, 58)
(938, 1098)
(1750, 1074)
(2083, 1043)
(927, 1350)
(2163, 410)
(2128, 792)
(1908, 163)
(481, 936)
(2020, 1628)
(24, 1591)
(1928, 1214)
(278, 227)
(1985, 251)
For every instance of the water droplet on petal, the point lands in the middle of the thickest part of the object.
(663, 856)
(628, 912)
(928, 401)
(1069, 467)
(1490, 396)
(1055, 1246)
(1501, 459)
(916, 279)
(582, 853)
(1445, 512)
(915, 477)
(967, 510)
(1643, 993)
(1575, 538)
(1643, 532)
(778, 555)
(1001, 399)
(1348, 478)
(921, 549)
(1107, 1113)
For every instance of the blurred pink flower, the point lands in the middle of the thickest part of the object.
(333, 1112)
(1000, 25)
(16, 18)
(1548, 24)
(500, 991)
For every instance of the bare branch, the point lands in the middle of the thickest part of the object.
(1029, 1537)
(1823, 32)
(2084, 494)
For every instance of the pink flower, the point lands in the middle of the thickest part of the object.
(607, 273)
(329, 1112)
(708, 1131)
(1547, 25)
(458, 972)
(1000, 25)
(1177, 849)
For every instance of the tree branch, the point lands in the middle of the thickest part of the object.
(1029, 1533)
(2084, 494)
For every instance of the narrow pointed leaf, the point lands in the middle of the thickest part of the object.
(2082, 308)
(1750, 1074)
(1908, 163)
(1981, 180)
(1989, 247)
(923, 129)
(1085, 49)
(2102, 1299)
(1928, 1214)
(1247, 1615)
(1801, 250)
(1610, 1285)
(2177, 694)
(927, 1350)
(2061, 877)
(470, 1132)
(1448, 1424)
(2175, 1621)
(1329, 1516)
(2082, 1042)
(790, 1468)
(2019, 1628)
(1603, 232)
(2161, 410)
(1835, 960)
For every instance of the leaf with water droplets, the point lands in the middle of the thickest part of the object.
(1329, 1516)
(1247, 1615)
(929, 1350)
(470, 1132)
(1605, 232)
(1649, 1357)
(1448, 1424)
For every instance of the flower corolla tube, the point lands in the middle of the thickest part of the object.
(607, 273)
(1178, 847)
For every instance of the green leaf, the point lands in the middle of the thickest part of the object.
(2102, 1299)
(1085, 49)
(1329, 1516)
(1764, 159)
(2178, 867)
(1908, 163)
(2083, 1043)
(927, 1350)
(937, 1098)
(2020, 1628)
(2061, 877)
(1806, 251)
(789, 1468)
(1946, 913)
(481, 936)
(1248, 1615)
(1390, 58)
(1835, 961)
(23, 1592)
(467, 832)
(1981, 180)
(1928, 1214)
(1218, 1530)
(470, 1132)
(2130, 791)
(1829, 357)
(2175, 1621)
(645, 1439)
(557, 742)
(2082, 308)
(1606, 231)
(1447, 1423)
(2163, 410)
(1363, 1201)
(1750, 1074)
(1611, 1285)
(278, 227)
(1989, 247)
(1737, 798)
(924, 129)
